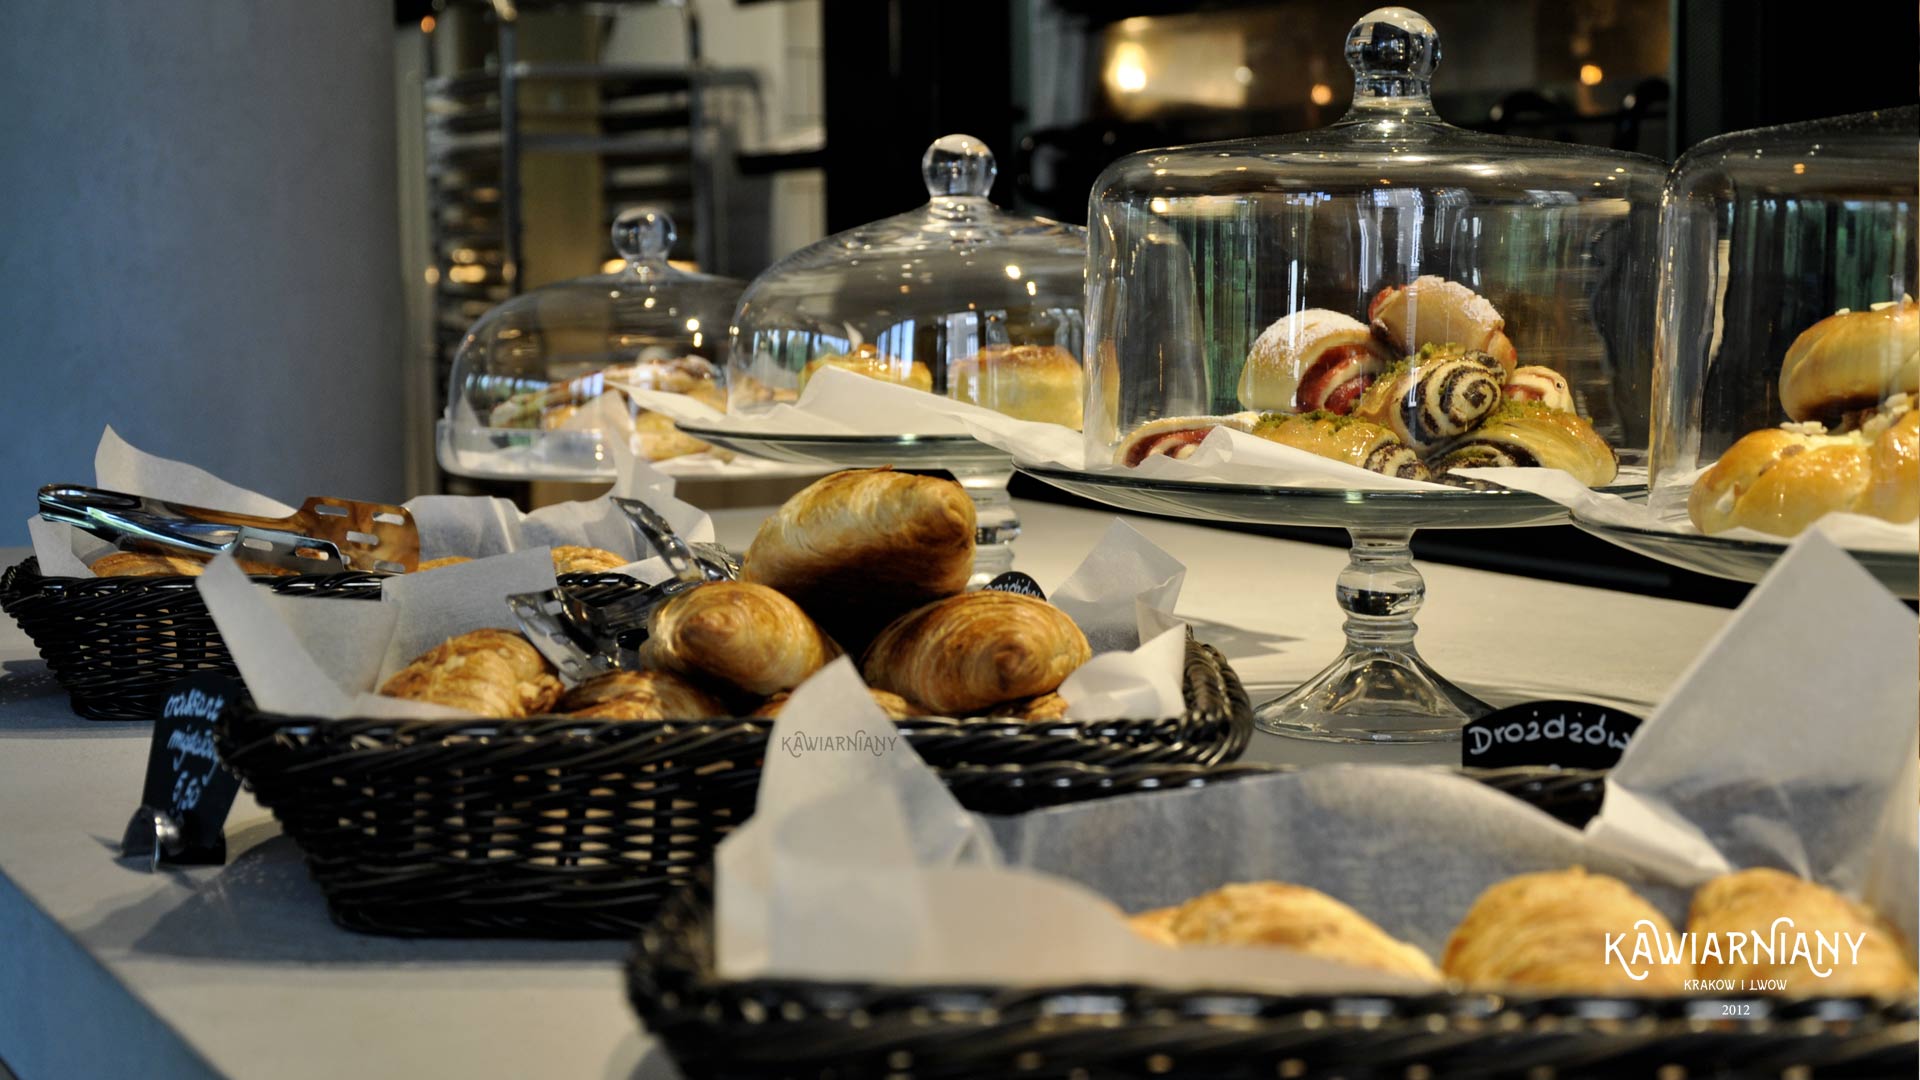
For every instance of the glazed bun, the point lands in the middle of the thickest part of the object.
(1435, 311)
(1311, 359)
(1852, 360)
(867, 360)
(1027, 382)
(1780, 480)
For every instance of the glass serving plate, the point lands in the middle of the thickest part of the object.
(981, 469)
(1379, 689)
(1746, 560)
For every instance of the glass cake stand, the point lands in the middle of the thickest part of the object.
(1746, 560)
(981, 469)
(1378, 689)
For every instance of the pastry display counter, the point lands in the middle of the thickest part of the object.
(235, 970)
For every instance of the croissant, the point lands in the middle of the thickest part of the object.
(742, 635)
(1290, 916)
(858, 548)
(895, 706)
(486, 672)
(1528, 434)
(1311, 359)
(1432, 310)
(1342, 438)
(1780, 480)
(1438, 395)
(640, 695)
(1752, 902)
(965, 653)
(1548, 931)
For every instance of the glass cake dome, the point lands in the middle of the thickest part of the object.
(529, 397)
(957, 298)
(1788, 351)
(1233, 281)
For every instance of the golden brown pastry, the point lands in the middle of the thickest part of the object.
(1033, 710)
(745, 636)
(1780, 480)
(1312, 359)
(1751, 903)
(858, 548)
(167, 564)
(1439, 394)
(867, 360)
(1548, 931)
(640, 695)
(1176, 437)
(966, 653)
(1528, 434)
(1542, 384)
(1852, 360)
(674, 375)
(572, 559)
(895, 706)
(1289, 916)
(486, 672)
(1027, 382)
(1433, 310)
(1357, 442)
(435, 564)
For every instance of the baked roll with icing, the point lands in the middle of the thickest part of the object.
(640, 695)
(743, 636)
(1852, 360)
(1780, 480)
(1436, 396)
(1531, 435)
(970, 652)
(1548, 932)
(492, 673)
(1027, 382)
(1176, 437)
(1311, 359)
(1751, 902)
(857, 549)
(867, 360)
(1289, 916)
(1432, 310)
(1342, 438)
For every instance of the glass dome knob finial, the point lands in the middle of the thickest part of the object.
(1393, 45)
(643, 234)
(958, 165)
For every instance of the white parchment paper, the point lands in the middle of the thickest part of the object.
(1759, 757)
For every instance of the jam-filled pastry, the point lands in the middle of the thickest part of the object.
(1028, 382)
(1548, 932)
(1780, 480)
(1342, 438)
(857, 549)
(741, 635)
(1852, 360)
(640, 695)
(895, 706)
(1176, 437)
(571, 559)
(486, 672)
(1312, 359)
(1290, 917)
(1528, 435)
(1432, 311)
(1539, 384)
(1439, 394)
(966, 653)
(867, 360)
(1751, 902)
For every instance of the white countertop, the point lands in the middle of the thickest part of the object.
(236, 971)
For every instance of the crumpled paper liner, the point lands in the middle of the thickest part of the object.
(851, 868)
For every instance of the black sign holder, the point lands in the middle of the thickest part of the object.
(188, 791)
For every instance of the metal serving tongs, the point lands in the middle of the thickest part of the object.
(584, 640)
(326, 535)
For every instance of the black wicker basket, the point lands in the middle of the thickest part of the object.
(118, 645)
(558, 827)
(764, 1028)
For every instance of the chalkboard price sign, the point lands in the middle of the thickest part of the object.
(1570, 734)
(184, 803)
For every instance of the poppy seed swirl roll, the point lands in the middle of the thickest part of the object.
(1434, 400)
